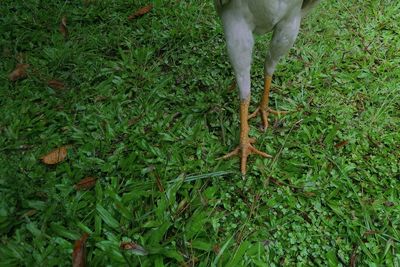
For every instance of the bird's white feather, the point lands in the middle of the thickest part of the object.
(242, 18)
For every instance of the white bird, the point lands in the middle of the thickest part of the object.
(241, 19)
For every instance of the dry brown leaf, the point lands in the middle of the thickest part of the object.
(19, 72)
(159, 184)
(341, 144)
(85, 183)
(55, 156)
(140, 12)
(353, 258)
(56, 84)
(79, 253)
(134, 248)
(63, 27)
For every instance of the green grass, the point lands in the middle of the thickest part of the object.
(147, 111)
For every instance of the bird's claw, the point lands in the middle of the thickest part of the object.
(264, 115)
(244, 150)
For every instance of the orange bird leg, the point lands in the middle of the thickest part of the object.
(245, 147)
(264, 110)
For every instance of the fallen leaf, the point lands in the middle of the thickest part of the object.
(134, 248)
(19, 72)
(63, 27)
(340, 144)
(140, 12)
(85, 183)
(159, 184)
(55, 156)
(353, 258)
(79, 253)
(56, 84)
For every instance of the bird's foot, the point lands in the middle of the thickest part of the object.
(243, 151)
(264, 113)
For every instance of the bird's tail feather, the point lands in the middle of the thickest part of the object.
(305, 8)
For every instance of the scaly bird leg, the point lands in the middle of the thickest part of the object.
(245, 147)
(264, 110)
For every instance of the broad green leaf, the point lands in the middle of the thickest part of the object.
(107, 217)
(172, 254)
(238, 255)
(332, 260)
(64, 232)
(201, 245)
(157, 234)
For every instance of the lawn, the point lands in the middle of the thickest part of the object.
(143, 107)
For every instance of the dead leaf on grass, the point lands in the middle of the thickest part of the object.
(56, 84)
(55, 156)
(140, 12)
(63, 27)
(353, 259)
(134, 248)
(341, 144)
(79, 253)
(19, 72)
(86, 183)
(159, 184)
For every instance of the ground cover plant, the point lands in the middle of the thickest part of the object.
(131, 111)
